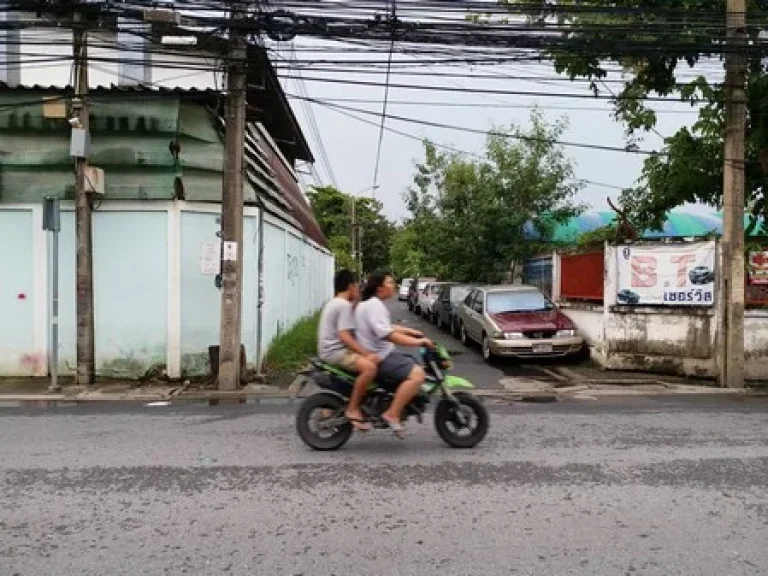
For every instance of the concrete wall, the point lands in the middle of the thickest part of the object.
(664, 339)
(153, 306)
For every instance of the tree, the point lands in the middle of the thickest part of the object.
(333, 210)
(470, 216)
(408, 256)
(684, 33)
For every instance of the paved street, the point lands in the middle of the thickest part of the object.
(635, 485)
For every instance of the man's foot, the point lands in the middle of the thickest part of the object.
(395, 425)
(356, 419)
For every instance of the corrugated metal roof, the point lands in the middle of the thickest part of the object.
(265, 173)
(113, 88)
(679, 224)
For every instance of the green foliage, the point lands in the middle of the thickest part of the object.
(468, 217)
(293, 349)
(690, 167)
(333, 210)
(407, 255)
(597, 237)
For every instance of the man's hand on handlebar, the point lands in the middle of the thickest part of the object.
(426, 342)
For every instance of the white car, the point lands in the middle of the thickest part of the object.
(427, 297)
(405, 286)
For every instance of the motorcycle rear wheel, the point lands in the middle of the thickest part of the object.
(334, 405)
(446, 420)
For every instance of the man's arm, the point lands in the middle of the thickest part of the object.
(400, 329)
(400, 339)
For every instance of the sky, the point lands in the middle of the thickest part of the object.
(351, 145)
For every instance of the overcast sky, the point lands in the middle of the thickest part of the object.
(351, 144)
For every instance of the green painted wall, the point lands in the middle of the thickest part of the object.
(130, 137)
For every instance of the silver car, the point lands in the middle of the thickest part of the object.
(517, 321)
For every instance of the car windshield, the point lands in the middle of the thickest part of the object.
(458, 294)
(423, 285)
(434, 289)
(517, 301)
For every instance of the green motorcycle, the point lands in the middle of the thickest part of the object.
(461, 420)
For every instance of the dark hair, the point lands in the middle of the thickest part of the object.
(375, 281)
(343, 280)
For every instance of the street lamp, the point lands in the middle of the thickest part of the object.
(356, 232)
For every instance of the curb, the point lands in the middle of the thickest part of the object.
(292, 394)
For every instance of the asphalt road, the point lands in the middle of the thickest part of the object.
(657, 486)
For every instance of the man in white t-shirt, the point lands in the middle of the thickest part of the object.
(337, 344)
(397, 372)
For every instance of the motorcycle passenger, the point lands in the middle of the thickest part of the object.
(397, 372)
(337, 344)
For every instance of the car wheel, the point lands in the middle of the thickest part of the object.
(464, 337)
(454, 330)
(439, 321)
(487, 353)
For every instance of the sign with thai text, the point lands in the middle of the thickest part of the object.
(758, 267)
(666, 274)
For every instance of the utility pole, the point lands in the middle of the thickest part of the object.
(731, 346)
(353, 232)
(232, 207)
(79, 149)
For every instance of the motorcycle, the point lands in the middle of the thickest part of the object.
(460, 418)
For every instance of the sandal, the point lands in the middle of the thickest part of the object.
(396, 426)
(358, 424)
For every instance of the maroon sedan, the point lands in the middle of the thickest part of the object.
(517, 321)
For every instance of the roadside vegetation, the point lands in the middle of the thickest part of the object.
(292, 350)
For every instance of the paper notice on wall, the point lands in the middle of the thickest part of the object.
(210, 258)
(667, 274)
(230, 252)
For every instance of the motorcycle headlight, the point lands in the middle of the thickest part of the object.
(566, 333)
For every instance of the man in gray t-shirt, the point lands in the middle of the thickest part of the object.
(336, 343)
(397, 371)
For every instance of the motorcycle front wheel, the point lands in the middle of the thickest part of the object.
(462, 426)
(321, 424)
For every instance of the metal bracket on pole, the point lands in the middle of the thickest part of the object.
(52, 223)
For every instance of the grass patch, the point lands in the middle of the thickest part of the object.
(291, 351)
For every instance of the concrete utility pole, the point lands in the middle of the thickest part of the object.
(79, 149)
(731, 346)
(232, 208)
(353, 231)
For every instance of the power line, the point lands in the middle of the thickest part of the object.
(384, 103)
(488, 132)
(472, 90)
(449, 147)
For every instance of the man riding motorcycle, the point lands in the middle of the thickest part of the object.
(397, 372)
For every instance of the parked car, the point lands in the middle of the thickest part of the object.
(701, 275)
(517, 321)
(445, 308)
(405, 287)
(627, 297)
(427, 298)
(417, 286)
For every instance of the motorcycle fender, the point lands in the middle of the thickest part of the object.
(455, 383)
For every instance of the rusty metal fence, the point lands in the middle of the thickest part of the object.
(582, 276)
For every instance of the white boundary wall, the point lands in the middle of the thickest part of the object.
(153, 305)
